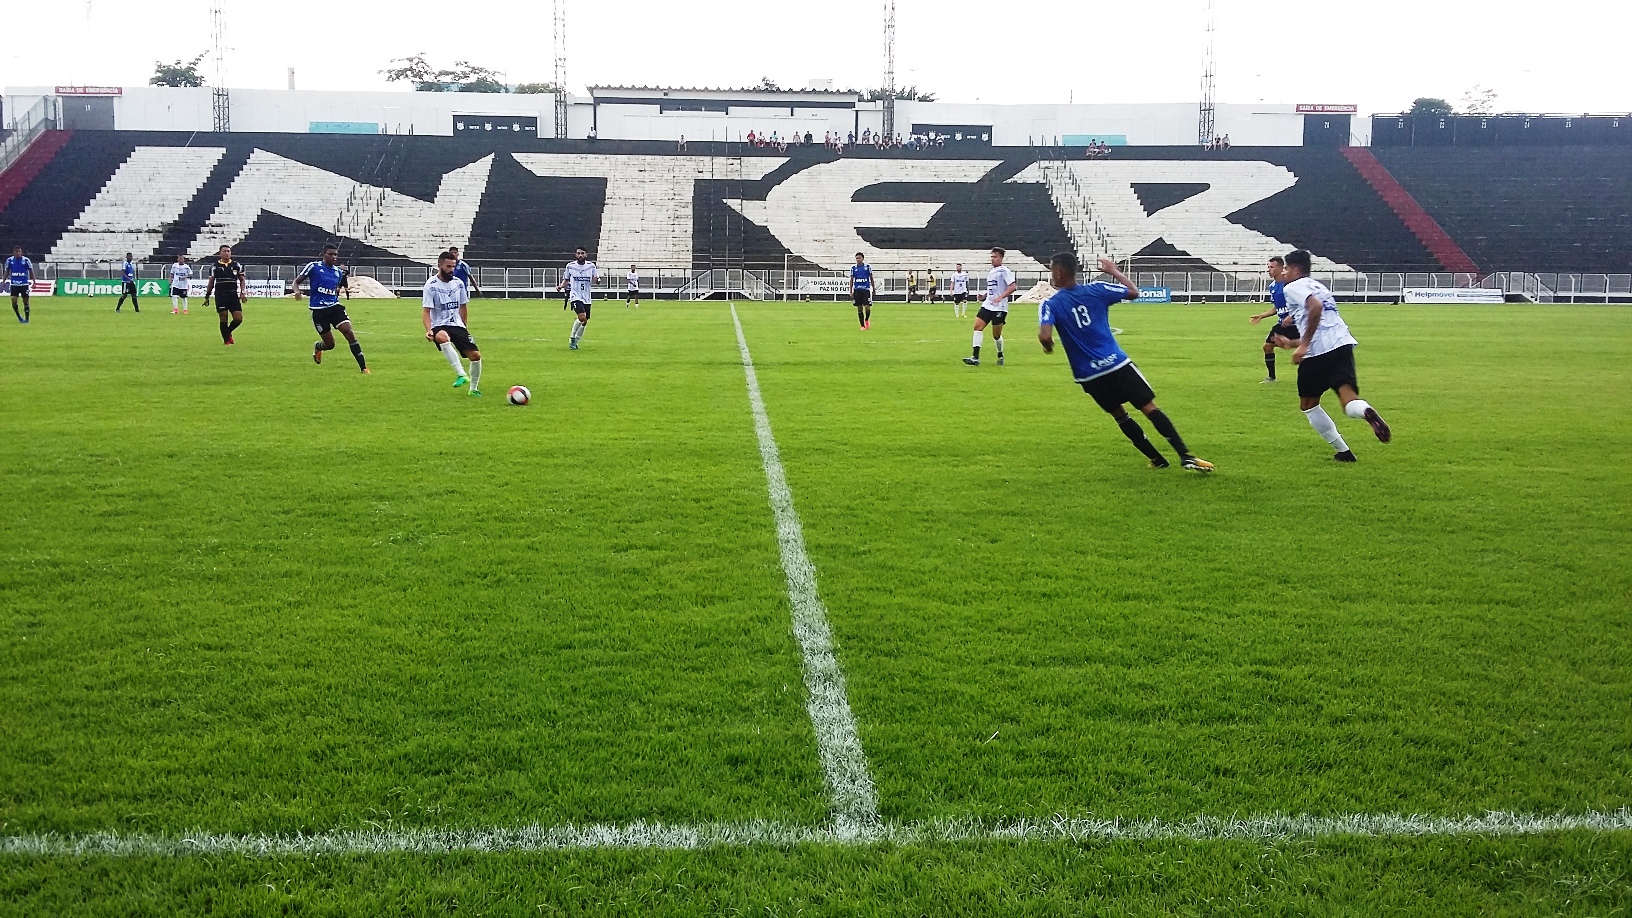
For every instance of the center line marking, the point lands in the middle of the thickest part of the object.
(854, 800)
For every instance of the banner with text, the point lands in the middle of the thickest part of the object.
(1155, 295)
(1453, 295)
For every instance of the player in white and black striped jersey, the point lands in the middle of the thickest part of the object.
(1324, 356)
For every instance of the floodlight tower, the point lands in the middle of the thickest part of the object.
(221, 103)
(889, 67)
(1207, 123)
(560, 69)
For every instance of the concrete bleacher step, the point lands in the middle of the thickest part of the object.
(138, 204)
(31, 163)
(1422, 225)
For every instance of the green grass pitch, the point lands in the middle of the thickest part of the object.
(240, 593)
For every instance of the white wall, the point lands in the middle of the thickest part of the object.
(649, 122)
(1170, 124)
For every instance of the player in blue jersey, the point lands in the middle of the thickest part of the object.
(127, 277)
(861, 290)
(326, 279)
(1081, 313)
(462, 271)
(20, 277)
(1284, 327)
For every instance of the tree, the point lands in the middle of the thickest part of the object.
(1479, 101)
(536, 88)
(766, 84)
(178, 73)
(1426, 107)
(462, 77)
(907, 94)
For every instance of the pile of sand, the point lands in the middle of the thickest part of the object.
(1037, 294)
(368, 288)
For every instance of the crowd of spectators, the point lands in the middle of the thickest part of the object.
(1098, 150)
(1217, 144)
(837, 141)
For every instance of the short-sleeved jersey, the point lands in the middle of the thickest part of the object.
(18, 269)
(326, 282)
(127, 271)
(443, 298)
(462, 271)
(1333, 332)
(1081, 315)
(581, 280)
(1277, 297)
(180, 274)
(633, 279)
(998, 280)
(960, 282)
(226, 274)
(861, 277)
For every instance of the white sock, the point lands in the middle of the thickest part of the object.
(1323, 425)
(475, 374)
(452, 353)
(1357, 409)
(183, 304)
(577, 329)
(979, 337)
(175, 302)
(999, 343)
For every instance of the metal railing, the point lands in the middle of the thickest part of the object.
(784, 281)
(40, 117)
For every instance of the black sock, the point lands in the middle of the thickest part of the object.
(134, 304)
(357, 352)
(234, 326)
(977, 352)
(226, 332)
(1136, 434)
(14, 309)
(1269, 361)
(119, 305)
(1165, 427)
(861, 317)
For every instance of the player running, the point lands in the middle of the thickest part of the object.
(230, 288)
(1325, 357)
(327, 313)
(462, 271)
(127, 278)
(20, 278)
(861, 290)
(960, 291)
(1082, 314)
(994, 311)
(1282, 313)
(632, 297)
(181, 275)
(931, 281)
(446, 302)
(580, 274)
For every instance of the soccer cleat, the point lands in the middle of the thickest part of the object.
(175, 312)
(367, 371)
(461, 381)
(184, 312)
(317, 355)
(476, 393)
(1379, 426)
(1345, 456)
(572, 345)
(1267, 380)
(999, 359)
(1196, 465)
(972, 361)
(1158, 463)
(230, 341)
(867, 324)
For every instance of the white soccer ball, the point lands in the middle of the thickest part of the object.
(519, 395)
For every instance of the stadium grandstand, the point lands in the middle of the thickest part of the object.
(768, 194)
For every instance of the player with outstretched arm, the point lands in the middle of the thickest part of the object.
(1081, 313)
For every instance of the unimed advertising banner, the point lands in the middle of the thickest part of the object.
(1453, 295)
(98, 286)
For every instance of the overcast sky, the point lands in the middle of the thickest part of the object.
(1562, 56)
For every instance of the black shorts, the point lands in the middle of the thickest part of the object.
(1327, 371)
(1289, 332)
(632, 295)
(130, 288)
(19, 288)
(325, 318)
(959, 298)
(582, 309)
(862, 297)
(459, 337)
(228, 302)
(992, 318)
(1123, 385)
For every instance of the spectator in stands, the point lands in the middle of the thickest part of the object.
(1225, 143)
(750, 138)
(592, 134)
(682, 143)
(810, 139)
(828, 140)
(851, 138)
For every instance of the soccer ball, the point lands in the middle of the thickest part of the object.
(519, 395)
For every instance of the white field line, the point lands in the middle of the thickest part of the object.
(854, 800)
(642, 835)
